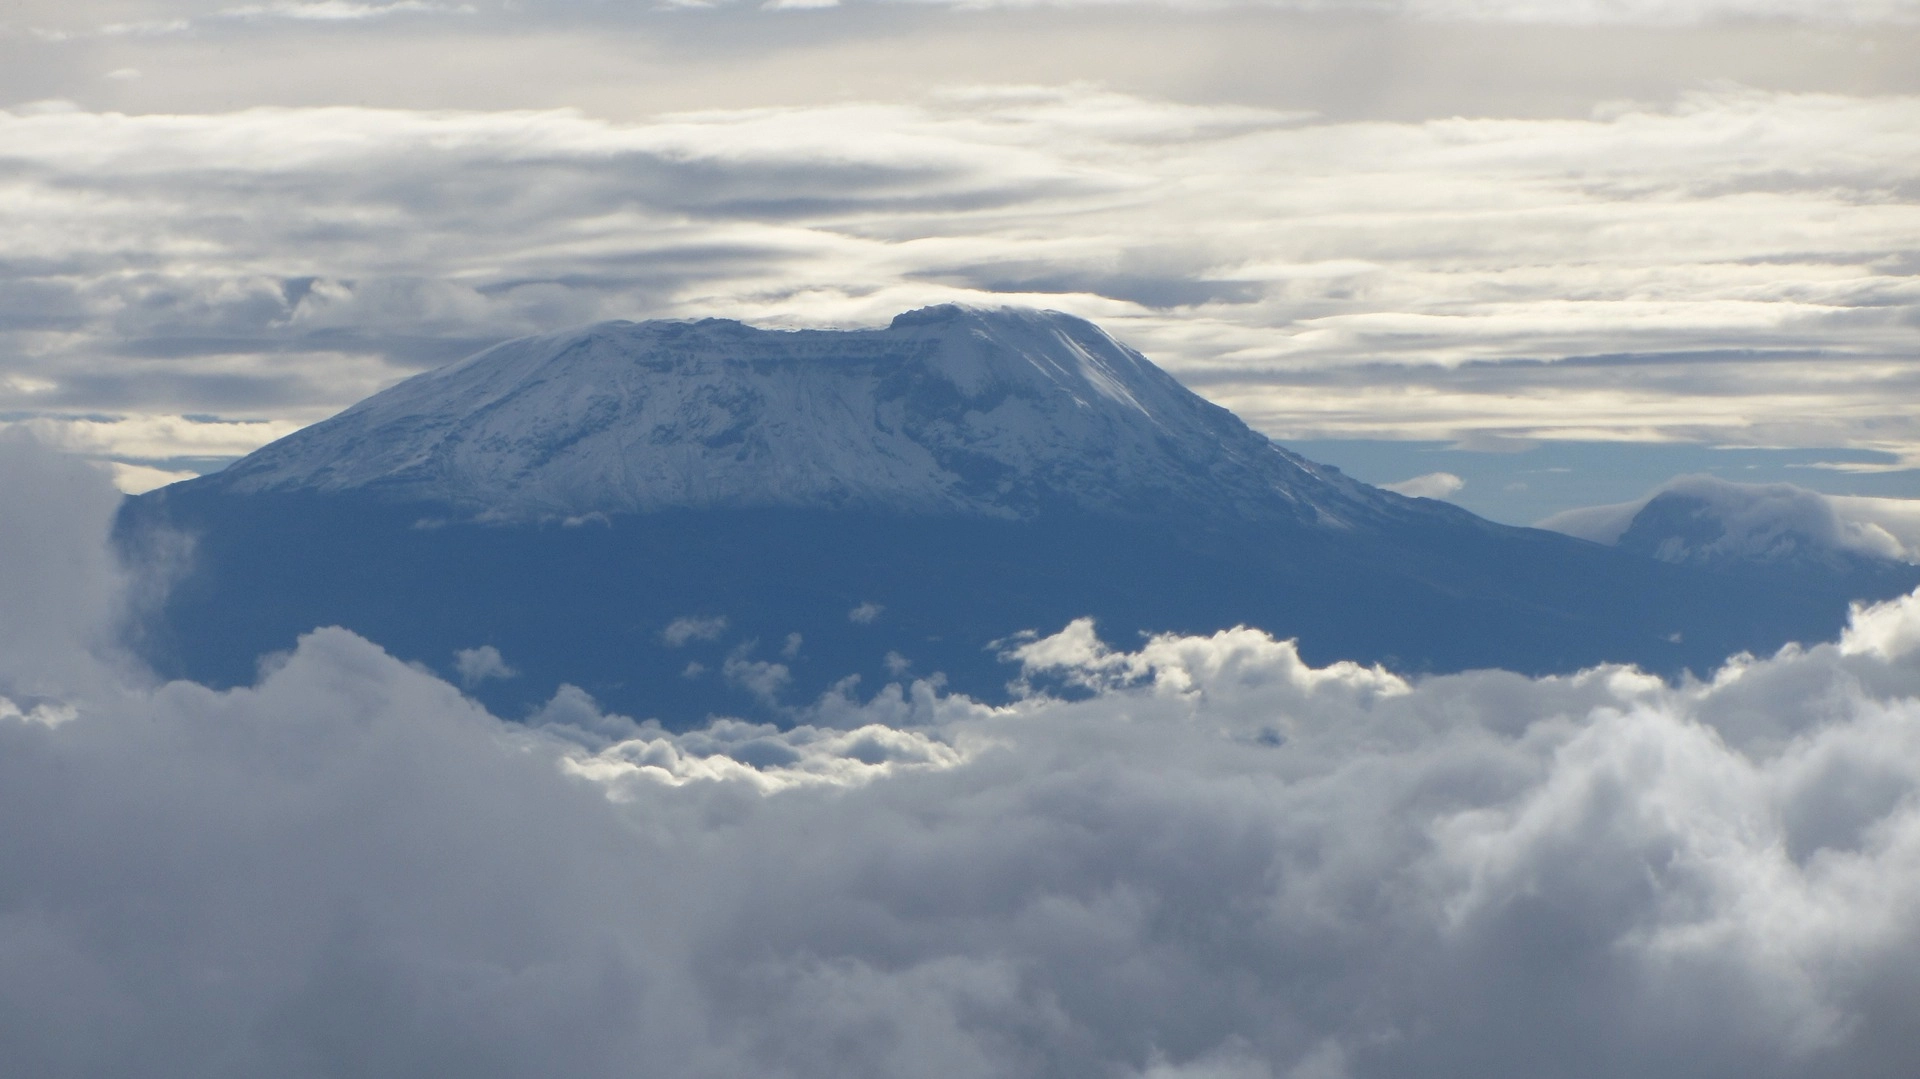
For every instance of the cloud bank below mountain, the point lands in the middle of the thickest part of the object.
(1200, 857)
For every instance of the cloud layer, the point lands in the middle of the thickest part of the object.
(158, 18)
(1200, 858)
(1730, 268)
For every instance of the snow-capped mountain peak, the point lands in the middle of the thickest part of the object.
(947, 410)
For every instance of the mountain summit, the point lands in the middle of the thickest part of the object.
(694, 517)
(949, 410)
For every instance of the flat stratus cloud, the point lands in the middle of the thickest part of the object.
(1733, 267)
(65, 22)
(1216, 861)
(156, 17)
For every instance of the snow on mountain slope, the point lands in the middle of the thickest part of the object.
(949, 409)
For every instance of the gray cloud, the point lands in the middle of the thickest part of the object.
(694, 628)
(1219, 861)
(1558, 278)
(60, 589)
(476, 665)
(117, 18)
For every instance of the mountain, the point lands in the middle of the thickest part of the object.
(1707, 521)
(948, 411)
(688, 517)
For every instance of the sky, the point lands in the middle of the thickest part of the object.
(1534, 253)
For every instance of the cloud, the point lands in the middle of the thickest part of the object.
(1431, 485)
(136, 479)
(694, 628)
(342, 10)
(1563, 12)
(476, 665)
(1889, 527)
(60, 588)
(761, 678)
(1887, 630)
(123, 19)
(1726, 267)
(1761, 522)
(1214, 860)
(111, 20)
(865, 613)
(1655, 12)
